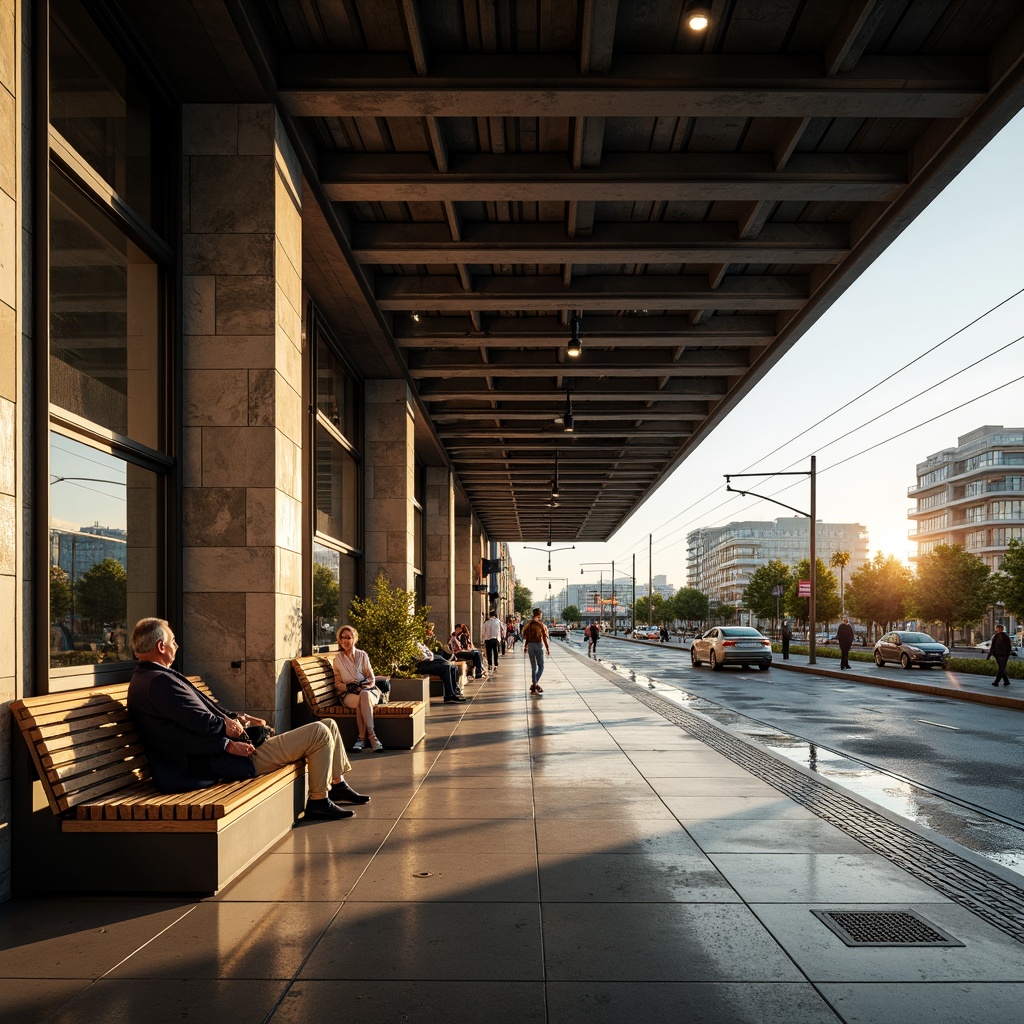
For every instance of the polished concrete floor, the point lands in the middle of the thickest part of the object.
(571, 859)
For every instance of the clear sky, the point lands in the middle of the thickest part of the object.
(962, 256)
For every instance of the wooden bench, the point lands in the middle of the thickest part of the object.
(399, 723)
(89, 818)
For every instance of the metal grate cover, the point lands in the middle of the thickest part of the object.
(884, 928)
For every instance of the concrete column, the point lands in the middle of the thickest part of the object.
(15, 427)
(389, 477)
(440, 545)
(243, 460)
(465, 568)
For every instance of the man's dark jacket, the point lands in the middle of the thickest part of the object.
(1000, 647)
(844, 635)
(182, 731)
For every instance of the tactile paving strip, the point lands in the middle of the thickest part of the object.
(993, 899)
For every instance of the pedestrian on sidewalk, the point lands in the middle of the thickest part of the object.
(593, 634)
(787, 636)
(1000, 649)
(535, 644)
(491, 633)
(844, 636)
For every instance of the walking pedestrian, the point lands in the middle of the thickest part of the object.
(787, 636)
(1000, 649)
(844, 636)
(492, 639)
(593, 634)
(535, 644)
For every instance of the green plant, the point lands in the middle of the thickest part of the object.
(390, 625)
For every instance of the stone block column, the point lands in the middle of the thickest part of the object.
(465, 569)
(389, 468)
(439, 554)
(243, 459)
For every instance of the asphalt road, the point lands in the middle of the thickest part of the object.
(969, 751)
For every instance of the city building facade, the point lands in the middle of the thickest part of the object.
(720, 560)
(971, 495)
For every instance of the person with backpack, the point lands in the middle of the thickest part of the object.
(593, 634)
(535, 643)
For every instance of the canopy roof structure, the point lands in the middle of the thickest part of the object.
(480, 173)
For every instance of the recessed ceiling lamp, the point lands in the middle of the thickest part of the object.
(575, 346)
(415, 317)
(697, 16)
(554, 483)
(567, 420)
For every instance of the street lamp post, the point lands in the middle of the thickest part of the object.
(557, 579)
(601, 605)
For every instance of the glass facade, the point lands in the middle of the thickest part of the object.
(109, 453)
(337, 485)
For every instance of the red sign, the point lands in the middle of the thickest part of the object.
(803, 588)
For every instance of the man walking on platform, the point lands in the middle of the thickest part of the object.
(844, 637)
(1000, 649)
(787, 637)
(492, 639)
(535, 643)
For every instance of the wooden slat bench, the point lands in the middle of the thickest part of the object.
(399, 723)
(91, 819)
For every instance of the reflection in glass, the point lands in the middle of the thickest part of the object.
(104, 320)
(337, 490)
(98, 106)
(103, 541)
(334, 581)
(335, 393)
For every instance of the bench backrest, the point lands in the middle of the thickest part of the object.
(316, 677)
(83, 743)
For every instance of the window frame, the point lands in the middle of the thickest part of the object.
(54, 155)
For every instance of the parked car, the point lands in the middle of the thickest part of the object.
(910, 649)
(559, 630)
(737, 645)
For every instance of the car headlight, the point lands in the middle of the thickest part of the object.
(913, 650)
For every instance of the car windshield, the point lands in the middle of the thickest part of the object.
(739, 631)
(917, 638)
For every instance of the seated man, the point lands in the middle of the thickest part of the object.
(191, 742)
(437, 666)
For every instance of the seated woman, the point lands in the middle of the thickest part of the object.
(354, 681)
(461, 648)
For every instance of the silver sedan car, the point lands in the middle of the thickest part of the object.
(734, 645)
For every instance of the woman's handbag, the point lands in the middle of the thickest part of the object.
(383, 684)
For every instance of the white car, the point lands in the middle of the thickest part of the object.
(986, 646)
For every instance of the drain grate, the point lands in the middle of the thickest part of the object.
(884, 928)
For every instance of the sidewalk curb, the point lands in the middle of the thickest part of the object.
(977, 697)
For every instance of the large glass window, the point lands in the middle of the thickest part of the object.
(337, 485)
(99, 107)
(105, 339)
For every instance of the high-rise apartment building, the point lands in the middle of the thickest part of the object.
(972, 495)
(720, 560)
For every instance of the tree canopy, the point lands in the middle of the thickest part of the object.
(758, 596)
(102, 593)
(1011, 579)
(690, 605)
(952, 587)
(522, 599)
(570, 613)
(880, 591)
(644, 612)
(325, 592)
(60, 594)
(389, 625)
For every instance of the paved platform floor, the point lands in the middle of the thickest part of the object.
(570, 859)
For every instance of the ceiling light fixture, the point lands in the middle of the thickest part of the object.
(554, 483)
(575, 346)
(567, 420)
(415, 317)
(697, 16)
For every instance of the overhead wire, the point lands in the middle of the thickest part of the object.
(853, 430)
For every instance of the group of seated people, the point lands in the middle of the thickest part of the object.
(192, 742)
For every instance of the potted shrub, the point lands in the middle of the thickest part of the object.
(390, 625)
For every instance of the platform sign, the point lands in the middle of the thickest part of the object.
(803, 588)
